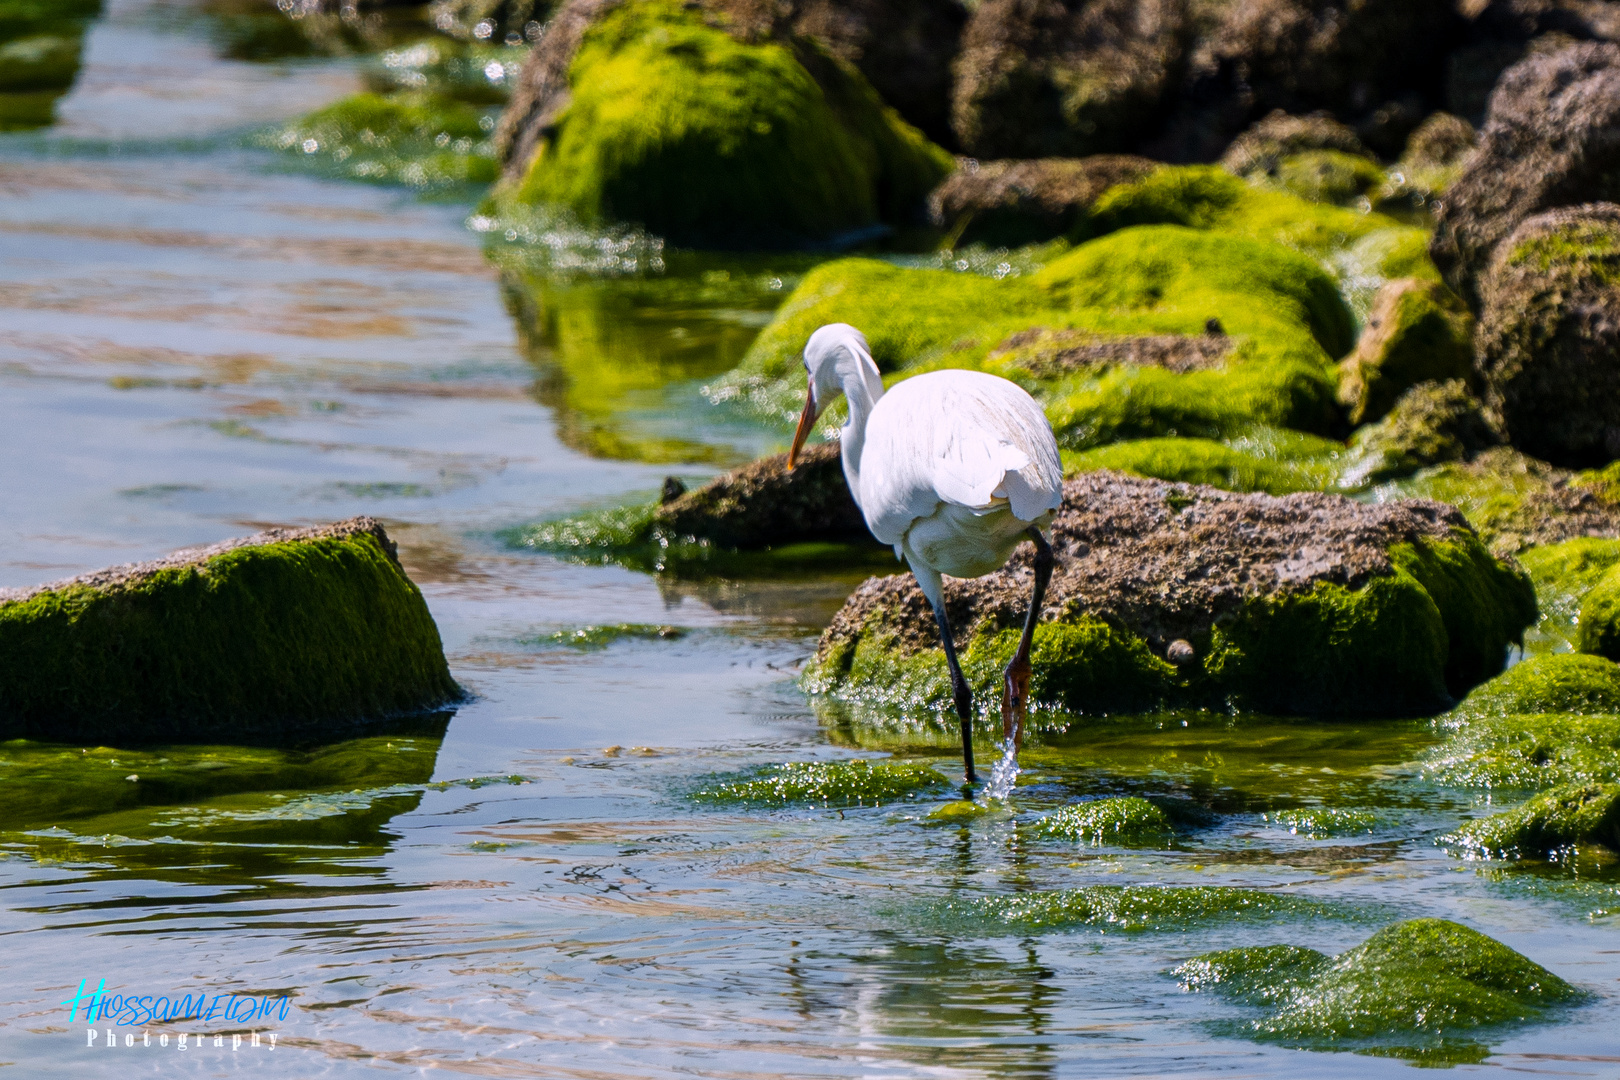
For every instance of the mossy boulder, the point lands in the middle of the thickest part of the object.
(1279, 317)
(1433, 157)
(288, 633)
(1549, 822)
(1260, 459)
(1549, 334)
(1551, 139)
(1551, 720)
(1012, 202)
(1403, 991)
(677, 118)
(1306, 604)
(1417, 331)
(1600, 617)
(1065, 79)
(40, 46)
(1563, 574)
(1431, 423)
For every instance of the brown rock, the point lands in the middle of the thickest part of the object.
(1044, 78)
(1058, 352)
(1261, 148)
(1164, 560)
(541, 93)
(1551, 138)
(1007, 203)
(763, 504)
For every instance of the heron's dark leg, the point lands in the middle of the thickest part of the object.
(1015, 701)
(963, 695)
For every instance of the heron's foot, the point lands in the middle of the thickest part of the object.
(1015, 701)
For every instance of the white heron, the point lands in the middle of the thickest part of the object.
(953, 468)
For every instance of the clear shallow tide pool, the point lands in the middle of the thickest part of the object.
(198, 340)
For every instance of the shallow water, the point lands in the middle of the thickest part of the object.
(197, 340)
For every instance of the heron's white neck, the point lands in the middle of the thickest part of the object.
(862, 386)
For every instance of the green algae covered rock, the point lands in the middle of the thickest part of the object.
(1551, 720)
(1600, 618)
(707, 138)
(1564, 574)
(1549, 822)
(1251, 461)
(826, 783)
(422, 139)
(288, 633)
(1309, 604)
(1133, 908)
(1403, 991)
(1280, 318)
(1431, 423)
(1122, 821)
(1417, 331)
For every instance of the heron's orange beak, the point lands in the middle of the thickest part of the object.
(807, 420)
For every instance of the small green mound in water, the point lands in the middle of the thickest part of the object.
(1320, 822)
(827, 783)
(1124, 821)
(1402, 992)
(419, 139)
(1561, 682)
(1552, 821)
(597, 637)
(1133, 907)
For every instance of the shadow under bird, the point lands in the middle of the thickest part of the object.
(953, 468)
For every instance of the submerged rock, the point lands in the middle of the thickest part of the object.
(1551, 139)
(1008, 203)
(1549, 822)
(1417, 331)
(1431, 423)
(1549, 334)
(1309, 604)
(1122, 821)
(291, 631)
(1065, 77)
(1426, 978)
(827, 783)
(709, 127)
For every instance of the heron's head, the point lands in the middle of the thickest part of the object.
(833, 354)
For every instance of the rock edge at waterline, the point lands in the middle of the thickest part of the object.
(286, 634)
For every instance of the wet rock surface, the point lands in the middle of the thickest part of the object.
(1549, 335)
(1431, 423)
(1013, 202)
(1551, 139)
(261, 638)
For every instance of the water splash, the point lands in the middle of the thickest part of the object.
(1003, 777)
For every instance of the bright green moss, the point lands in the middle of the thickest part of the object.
(1554, 820)
(259, 643)
(1485, 603)
(1556, 683)
(1418, 331)
(1425, 978)
(1321, 822)
(421, 139)
(598, 637)
(1328, 176)
(1122, 821)
(1204, 461)
(1600, 617)
(1132, 908)
(1563, 574)
(827, 783)
(707, 140)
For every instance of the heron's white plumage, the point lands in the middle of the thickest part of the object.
(951, 467)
